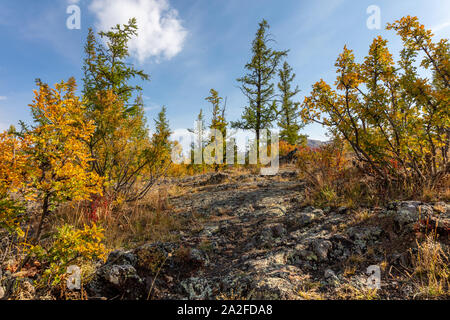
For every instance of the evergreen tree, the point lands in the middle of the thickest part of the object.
(162, 132)
(198, 145)
(257, 84)
(105, 68)
(215, 100)
(218, 121)
(120, 147)
(289, 110)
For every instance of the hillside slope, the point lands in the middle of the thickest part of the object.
(254, 240)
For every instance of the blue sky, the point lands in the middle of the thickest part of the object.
(191, 46)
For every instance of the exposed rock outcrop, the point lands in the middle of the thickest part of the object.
(258, 242)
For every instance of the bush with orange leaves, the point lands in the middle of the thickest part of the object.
(395, 119)
(285, 148)
(12, 173)
(58, 156)
(47, 164)
(331, 177)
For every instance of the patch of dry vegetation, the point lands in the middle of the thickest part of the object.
(150, 219)
(431, 269)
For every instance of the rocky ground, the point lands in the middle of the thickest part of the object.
(255, 240)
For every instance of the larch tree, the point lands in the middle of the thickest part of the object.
(289, 109)
(257, 85)
(120, 146)
(218, 121)
(197, 146)
(161, 138)
(105, 67)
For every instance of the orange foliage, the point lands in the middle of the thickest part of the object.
(59, 158)
(12, 162)
(285, 148)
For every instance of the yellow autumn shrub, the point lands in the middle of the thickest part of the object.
(396, 121)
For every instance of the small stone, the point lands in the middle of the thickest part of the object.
(210, 230)
(329, 274)
(410, 206)
(304, 219)
(321, 248)
(199, 256)
(341, 210)
(265, 239)
(300, 220)
(279, 231)
(406, 217)
(277, 211)
(317, 213)
(118, 274)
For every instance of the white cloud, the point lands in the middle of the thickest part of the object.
(3, 98)
(160, 33)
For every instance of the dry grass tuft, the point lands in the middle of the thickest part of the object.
(431, 269)
(309, 290)
(348, 291)
(230, 296)
(149, 220)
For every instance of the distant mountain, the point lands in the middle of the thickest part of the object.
(315, 143)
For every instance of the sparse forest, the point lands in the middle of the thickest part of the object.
(88, 194)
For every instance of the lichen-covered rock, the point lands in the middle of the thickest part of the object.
(121, 258)
(321, 247)
(199, 257)
(118, 277)
(364, 236)
(131, 274)
(299, 220)
(330, 275)
(274, 288)
(258, 241)
(279, 231)
(406, 214)
(197, 288)
(412, 214)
